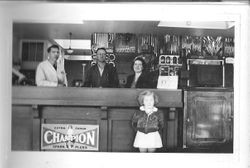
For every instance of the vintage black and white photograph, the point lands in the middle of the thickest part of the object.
(96, 79)
(123, 86)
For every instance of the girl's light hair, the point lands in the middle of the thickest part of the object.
(141, 96)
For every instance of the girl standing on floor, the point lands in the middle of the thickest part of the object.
(148, 122)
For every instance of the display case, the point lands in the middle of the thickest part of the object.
(206, 73)
(208, 120)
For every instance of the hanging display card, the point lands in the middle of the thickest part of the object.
(167, 82)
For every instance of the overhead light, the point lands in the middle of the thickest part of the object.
(197, 24)
(78, 57)
(70, 51)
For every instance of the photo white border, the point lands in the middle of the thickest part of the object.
(42, 12)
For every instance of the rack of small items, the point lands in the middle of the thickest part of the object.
(125, 43)
(103, 40)
(169, 63)
(169, 66)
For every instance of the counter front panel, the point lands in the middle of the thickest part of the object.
(110, 109)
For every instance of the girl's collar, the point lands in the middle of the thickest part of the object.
(142, 108)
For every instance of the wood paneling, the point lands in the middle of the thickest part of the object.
(121, 134)
(79, 113)
(171, 135)
(21, 131)
(36, 132)
(111, 109)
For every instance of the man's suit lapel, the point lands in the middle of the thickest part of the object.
(105, 71)
(96, 71)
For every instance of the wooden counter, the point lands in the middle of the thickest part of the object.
(116, 97)
(111, 109)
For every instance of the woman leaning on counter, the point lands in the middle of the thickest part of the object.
(140, 78)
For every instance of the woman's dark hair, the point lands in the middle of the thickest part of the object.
(142, 61)
(102, 48)
(53, 46)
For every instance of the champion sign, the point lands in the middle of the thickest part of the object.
(69, 137)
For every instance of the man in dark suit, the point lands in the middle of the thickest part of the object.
(102, 74)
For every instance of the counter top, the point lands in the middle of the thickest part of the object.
(70, 96)
(208, 89)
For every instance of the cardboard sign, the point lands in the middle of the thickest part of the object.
(69, 137)
(167, 82)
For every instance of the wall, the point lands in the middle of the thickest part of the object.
(16, 50)
(74, 70)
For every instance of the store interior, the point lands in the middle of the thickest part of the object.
(126, 40)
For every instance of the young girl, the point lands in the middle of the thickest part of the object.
(147, 122)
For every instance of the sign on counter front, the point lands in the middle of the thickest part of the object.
(69, 137)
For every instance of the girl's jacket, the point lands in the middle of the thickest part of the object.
(147, 123)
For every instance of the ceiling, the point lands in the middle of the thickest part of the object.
(83, 31)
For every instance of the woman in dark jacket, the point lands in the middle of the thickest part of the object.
(140, 78)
